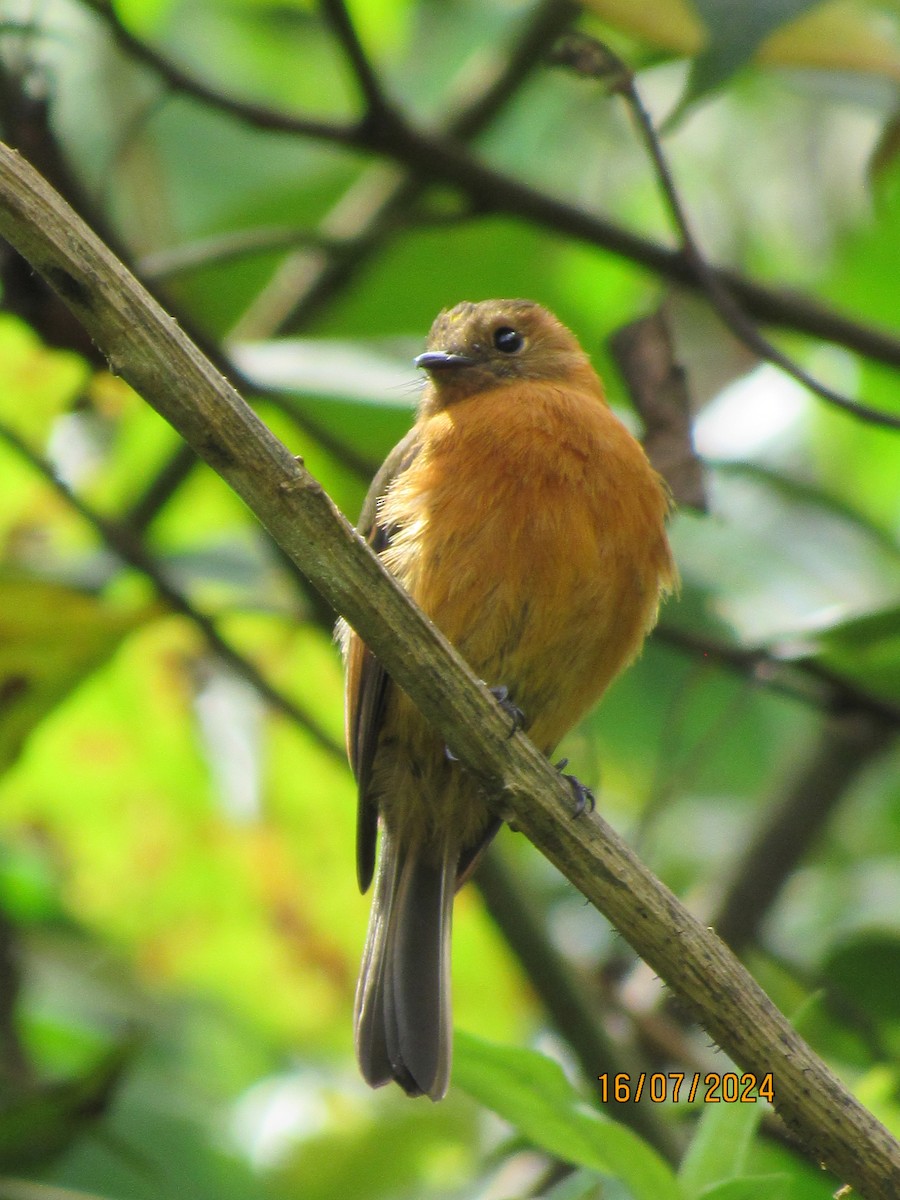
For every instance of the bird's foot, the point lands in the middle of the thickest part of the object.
(584, 797)
(515, 714)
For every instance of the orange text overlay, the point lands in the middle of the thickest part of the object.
(712, 1088)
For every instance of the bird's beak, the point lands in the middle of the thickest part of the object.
(441, 360)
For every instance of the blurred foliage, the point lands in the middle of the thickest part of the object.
(179, 923)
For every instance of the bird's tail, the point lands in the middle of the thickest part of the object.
(403, 1022)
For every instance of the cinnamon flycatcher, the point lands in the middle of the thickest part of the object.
(525, 520)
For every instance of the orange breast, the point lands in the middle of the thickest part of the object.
(531, 530)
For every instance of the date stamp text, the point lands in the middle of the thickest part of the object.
(675, 1086)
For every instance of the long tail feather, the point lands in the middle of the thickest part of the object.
(403, 1016)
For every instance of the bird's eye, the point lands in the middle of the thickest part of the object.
(507, 340)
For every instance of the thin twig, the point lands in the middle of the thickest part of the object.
(590, 57)
(540, 29)
(847, 745)
(260, 116)
(16, 1070)
(376, 208)
(802, 679)
(311, 286)
(225, 247)
(130, 550)
(143, 510)
(337, 17)
(445, 161)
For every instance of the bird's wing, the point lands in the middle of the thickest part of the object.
(367, 683)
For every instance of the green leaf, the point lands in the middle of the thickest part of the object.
(736, 31)
(867, 649)
(532, 1093)
(41, 1124)
(750, 1187)
(28, 884)
(866, 968)
(51, 637)
(782, 562)
(718, 1150)
(36, 384)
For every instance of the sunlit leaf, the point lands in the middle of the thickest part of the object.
(672, 24)
(719, 1147)
(532, 1093)
(36, 384)
(867, 649)
(867, 967)
(840, 35)
(404, 1151)
(51, 637)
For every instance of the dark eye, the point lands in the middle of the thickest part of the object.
(507, 340)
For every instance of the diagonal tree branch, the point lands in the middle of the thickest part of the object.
(572, 1009)
(162, 365)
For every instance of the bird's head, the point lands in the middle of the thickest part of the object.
(479, 347)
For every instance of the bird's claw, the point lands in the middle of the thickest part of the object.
(515, 714)
(584, 797)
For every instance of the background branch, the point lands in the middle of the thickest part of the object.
(801, 678)
(161, 364)
(443, 159)
(335, 13)
(259, 116)
(788, 830)
(125, 543)
(658, 388)
(385, 201)
(591, 57)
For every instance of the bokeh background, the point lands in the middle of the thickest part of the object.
(179, 921)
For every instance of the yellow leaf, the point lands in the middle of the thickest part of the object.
(841, 35)
(50, 638)
(36, 384)
(668, 24)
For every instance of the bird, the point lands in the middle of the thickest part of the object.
(528, 524)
